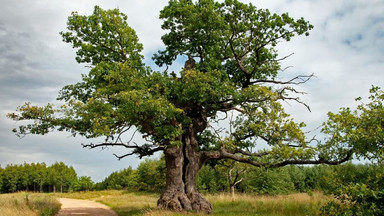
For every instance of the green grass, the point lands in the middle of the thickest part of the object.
(28, 204)
(293, 204)
(144, 204)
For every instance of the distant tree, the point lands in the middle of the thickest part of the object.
(235, 173)
(1, 180)
(51, 180)
(233, 66)
(84, 183)
(126, 178)
(129, 178)
(151, 175)
(297, 176)
(40, 175)
(11, 178)
(23, 176)
(268, 181)
(113, 181)
(211, 179)
(62, 176)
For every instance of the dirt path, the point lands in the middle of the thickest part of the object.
(83, 207)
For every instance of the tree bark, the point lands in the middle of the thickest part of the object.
(183, 164)
(233, 182)
(192, 166)
(174, 197)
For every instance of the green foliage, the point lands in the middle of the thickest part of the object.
(358, 191)
(211, 180)
(298, 176)
(222, 33)
(102, 37)
(44, 205)
(126, 178)
(360, 131)
(151, 175)
(84, 183)
(269, 181)
(37, 177)
(61, 176)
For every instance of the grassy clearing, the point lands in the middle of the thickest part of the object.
(28, 204)
(144, 204)
(293, 204)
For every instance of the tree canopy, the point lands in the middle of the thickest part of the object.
(233, 44)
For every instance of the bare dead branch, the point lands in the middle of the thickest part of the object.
(300, 79)
(141, 151)
(298, 101)
(285, 57)
(123, 156)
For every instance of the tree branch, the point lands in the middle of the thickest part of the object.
(253, 154)
(224, 154)
(300, 79)
(142, 151)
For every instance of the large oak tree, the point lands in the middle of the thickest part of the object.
(232, 70)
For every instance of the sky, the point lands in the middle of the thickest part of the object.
(345, 52)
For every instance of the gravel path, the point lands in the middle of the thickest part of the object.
(83, 207)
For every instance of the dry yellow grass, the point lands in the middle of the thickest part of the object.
(144, 204)
(244, 204)
(15, 205)
(27, 204)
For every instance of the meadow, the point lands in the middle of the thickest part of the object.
(28, 204)
(144, 204)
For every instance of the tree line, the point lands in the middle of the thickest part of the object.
(38, 177)
(213, 178)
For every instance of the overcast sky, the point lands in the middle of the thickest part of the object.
(345, 52)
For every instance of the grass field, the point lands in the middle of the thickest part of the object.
(28, 204)
(144, 204)
(126, 203)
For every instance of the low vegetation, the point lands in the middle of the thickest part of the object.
(145, 204)
(28, 204)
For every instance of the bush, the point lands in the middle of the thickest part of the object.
(362, 195)
(269, 181)
(211, 180)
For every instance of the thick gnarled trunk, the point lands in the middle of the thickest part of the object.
(183, 164)
(174, 196)
(192, 167)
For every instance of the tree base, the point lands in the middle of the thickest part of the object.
(179, 201)
(200, 204)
